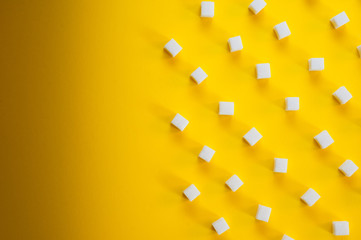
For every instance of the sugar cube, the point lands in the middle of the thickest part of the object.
(285, 237)
(263, 70)
(316, 64)
(348, 168)
(234, 183)
(340, 228)
(207, 9)
(226, 108)
(263, 213)
(206, 154)
(199, 75)
(191, 192)
(280, 165)
(179, 122)
(252, 136)
(292, 103)
(172, 47)
(220, 226)
(257, 5)
(324, 139)
(359, 50)
(342, 95)
(235, 44)
(339, 20)
(282, 30)
(310, 197)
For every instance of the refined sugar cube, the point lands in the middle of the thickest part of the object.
(234, 183)
(280, 165)
(199, 75)
(172, 47)
(348, 168)
(285, 237)
(359, 50)
(340, 228)
(339, 20)
(235, 44)
(310, 197)
(263, 213)
(342, 95)
(324, 139)
(252, 136)
(179, 122)
(226, 108)
(292, 103)
(257, 5)
(220, 226)
(207, 153)
(191, 192)
(316, 64)
(207, 9)
(263, 70)
(282, 30)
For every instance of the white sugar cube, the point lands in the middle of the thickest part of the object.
(316, 64)
(310, 197)
(348, 168)
(235, 44)
(172, 47)
(191, 192)
(285, 237)
(282, 30)
(324, 139)
(220, 226)
(263, 70)
(207, 9)
(207, 153)
(199, 75)
(234, 183)
(226, 108)
(280, 165)
(339, 20)
(359, 50)
(179, 122)
(340, 228)
(263, 213)
(257, 5)
(292, 103)
(342, 95)
(252, 136)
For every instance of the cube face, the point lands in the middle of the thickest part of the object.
(191, 192)
(226, 108)
(339, 20)
(324, 139)
(285, 237)
(342, 95)
(220, 226)
(263, 70)
(310, 197)
(234, 183)
(207, 9)
(257, 5)
(340, 228)
(263, 213)
(199, 75)
(179, 122)
(252, 136)
(316, 64)
(172, 47)
(206, 154)
(280, 165)
(235, 44)
(282, 30)
(348, 168)
(359, 50)
(292, 103)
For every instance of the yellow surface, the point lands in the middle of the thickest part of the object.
(88, 94)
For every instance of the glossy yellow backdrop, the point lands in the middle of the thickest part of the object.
(87, 95)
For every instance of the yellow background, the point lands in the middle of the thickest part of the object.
(87, 95)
